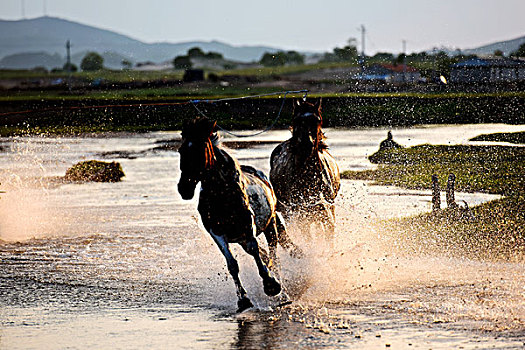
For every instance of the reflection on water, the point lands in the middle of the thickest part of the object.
(128, 265)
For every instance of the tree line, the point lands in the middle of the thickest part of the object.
(93, 61)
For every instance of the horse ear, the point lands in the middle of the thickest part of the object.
(211, 127)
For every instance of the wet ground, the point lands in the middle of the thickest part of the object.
(127, 265)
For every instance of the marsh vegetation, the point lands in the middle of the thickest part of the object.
(491, 230)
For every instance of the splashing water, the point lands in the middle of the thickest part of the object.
(101, 253)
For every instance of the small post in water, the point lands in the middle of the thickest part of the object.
(451, 201)
(436, 194)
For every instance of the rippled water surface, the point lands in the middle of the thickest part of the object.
(128, 265)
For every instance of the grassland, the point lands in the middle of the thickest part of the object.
(115, 76)
(494, 230)
(511, 137)
(159, 100)
(215, 92)
(117, 110)
(124, 76)
(178, 93)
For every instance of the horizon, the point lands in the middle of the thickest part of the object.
(464, 25)
(227, 43)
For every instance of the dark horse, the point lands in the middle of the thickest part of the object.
(304, 175)
(236, 203)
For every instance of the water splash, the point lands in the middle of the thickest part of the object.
(135, 244)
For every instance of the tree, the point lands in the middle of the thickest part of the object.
(281, 58)
(344, 54)
(69, 67)
(92, 61)
(498, 53)
(126, 64)
(195, 52)
(214, 55)
(273, 59)
(347, 53)
(383, 57)
(294, 57)
(520, 52)
(182, 62)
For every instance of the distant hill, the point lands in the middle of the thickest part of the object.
(41, 42)
(48, 35)
(507, 47)
(32, 60)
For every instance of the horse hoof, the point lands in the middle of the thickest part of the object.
(243, 304)
(271, 287)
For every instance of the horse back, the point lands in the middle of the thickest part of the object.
(291, 181)
(261, 195)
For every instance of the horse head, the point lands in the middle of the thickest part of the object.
(196, 153)
(307, 134)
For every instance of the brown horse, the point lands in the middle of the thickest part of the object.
(236, 203)
(304, 175)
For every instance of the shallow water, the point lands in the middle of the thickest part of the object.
(127, 265)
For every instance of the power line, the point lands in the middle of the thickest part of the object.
(192, 102)
(52, 109)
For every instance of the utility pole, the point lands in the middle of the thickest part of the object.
(23, 4)
(45, 7)
(362, 59)
(68, 64)
(404, 61)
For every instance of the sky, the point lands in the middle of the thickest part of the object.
(305, 25)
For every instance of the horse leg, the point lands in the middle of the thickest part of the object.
(284, 240)
(243, 301)
(327, 218)
(271, 286)
(271, 238)
(332, 220)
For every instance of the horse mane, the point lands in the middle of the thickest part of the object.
(322, 144)
(201, 129)
(215, 139)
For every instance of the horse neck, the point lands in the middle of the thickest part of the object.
(298, 152)
(224, 171)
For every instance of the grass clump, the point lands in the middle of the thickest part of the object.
(96, 171)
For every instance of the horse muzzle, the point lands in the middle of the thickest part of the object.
(186, 188)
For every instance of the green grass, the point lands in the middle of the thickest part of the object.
(206, 91)
(265, 72)
(511, 137)
(215, 92)
(116, 76)
(490, 169)
(494, 230)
